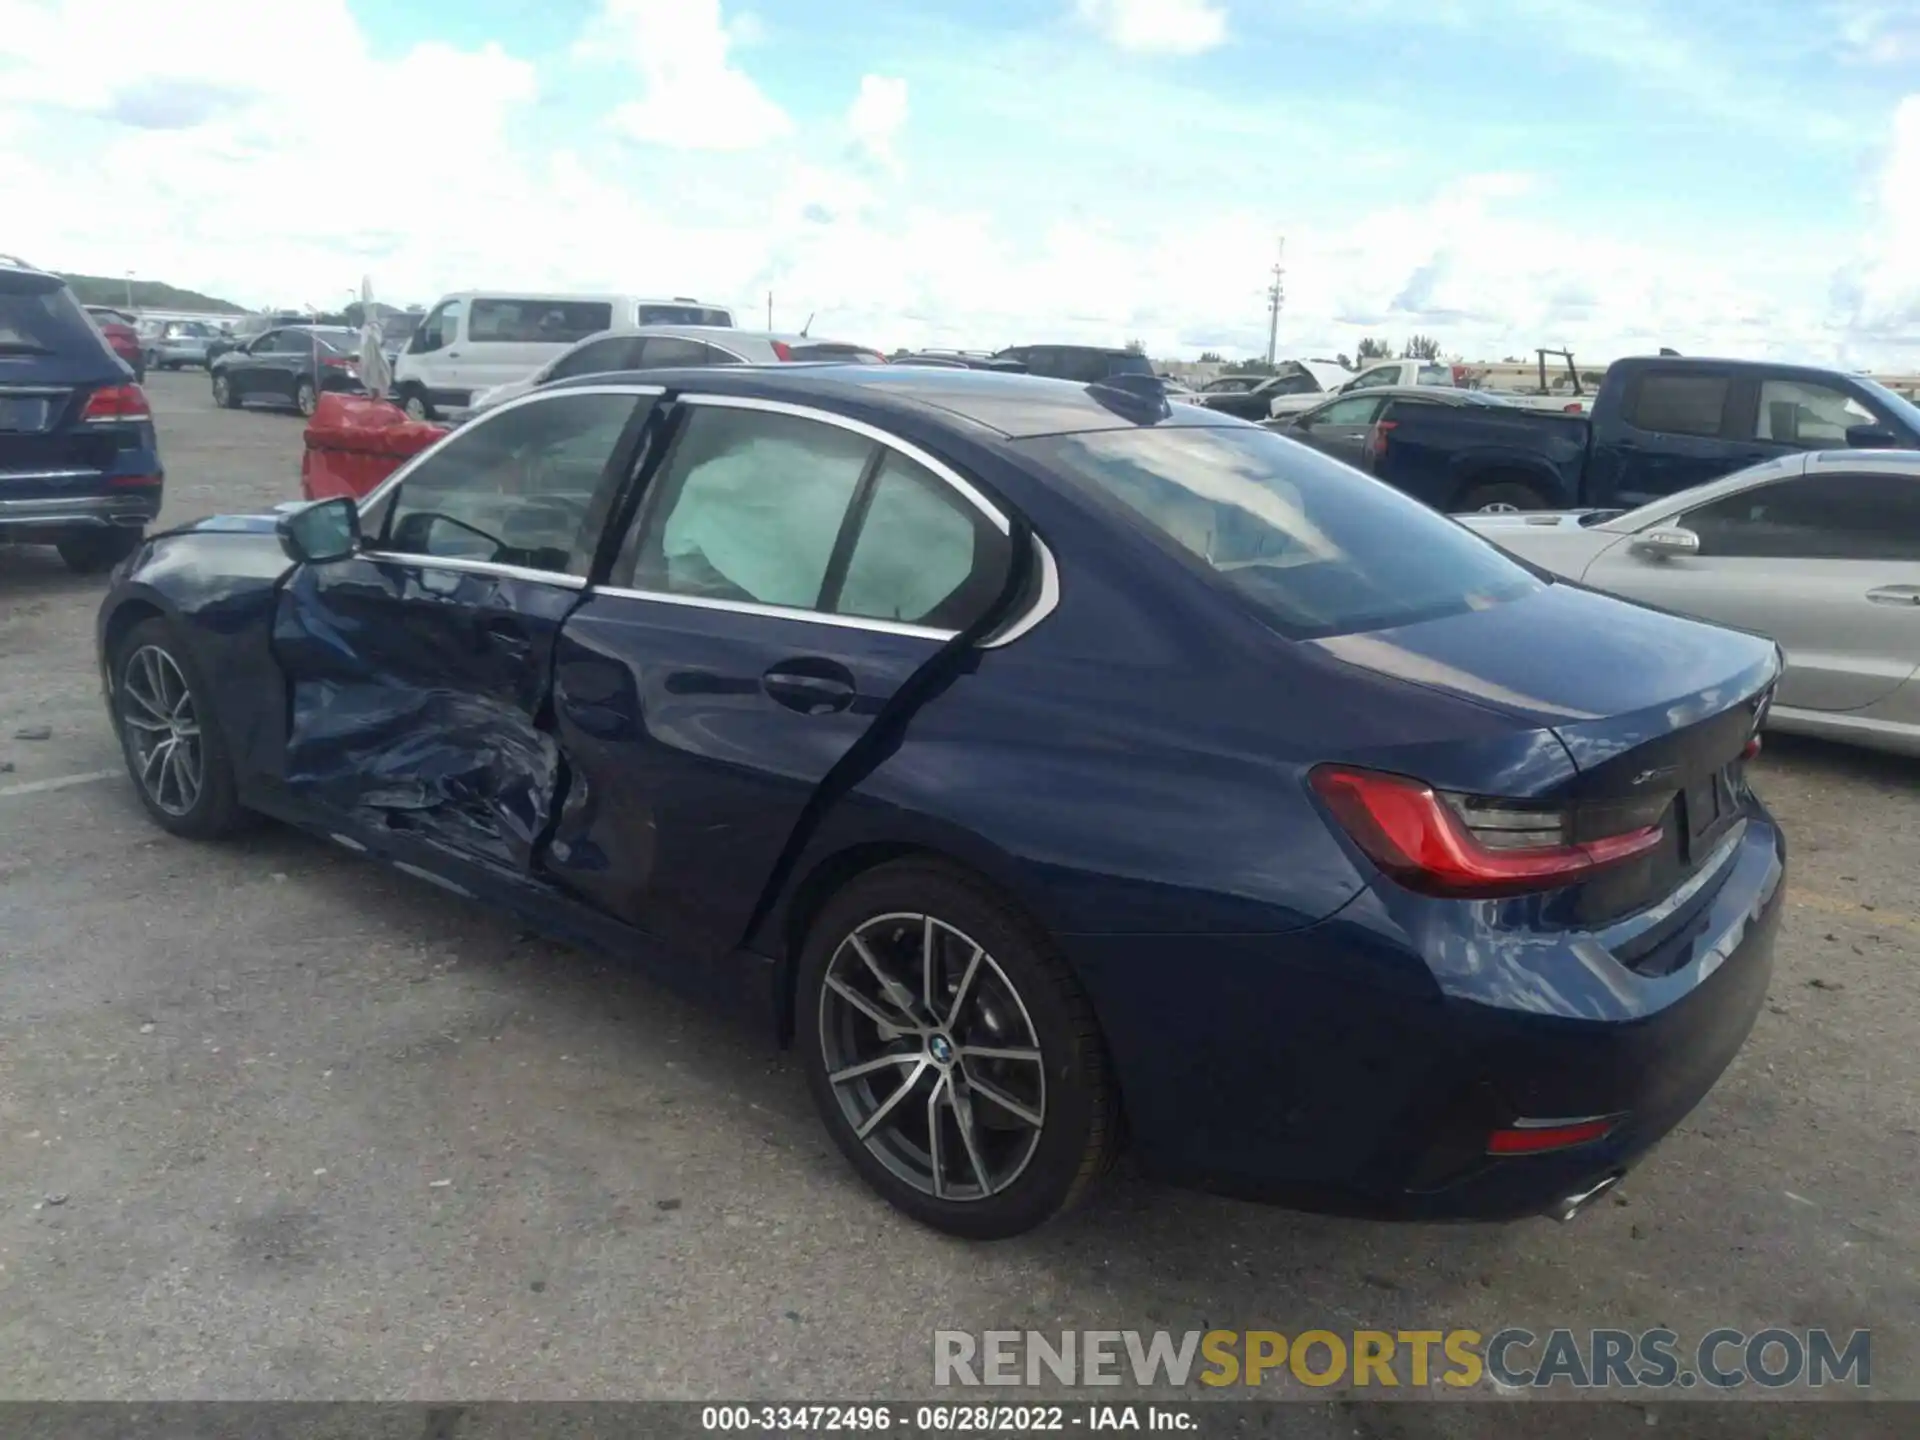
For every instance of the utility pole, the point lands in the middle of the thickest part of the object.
(769, 310)
(1276, 297)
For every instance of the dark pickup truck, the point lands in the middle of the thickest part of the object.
(1658, 426)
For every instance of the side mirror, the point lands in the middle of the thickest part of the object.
(1667, 544)
(325, 530)
(1871, 437)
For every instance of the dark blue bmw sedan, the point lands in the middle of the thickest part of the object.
(1058, 764)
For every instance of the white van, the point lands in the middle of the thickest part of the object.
(477, 339)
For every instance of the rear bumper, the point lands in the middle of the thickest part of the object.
(1322, 1070)
(132, 508)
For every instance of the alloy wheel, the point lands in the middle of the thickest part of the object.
(1500, 507)
(219, 389)
(162, 729)
(932, 1057)
(305, 400)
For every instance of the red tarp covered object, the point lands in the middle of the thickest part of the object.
(354, 442)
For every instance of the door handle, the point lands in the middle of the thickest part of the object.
(453, 354)
(811, 686)
(1895, 595)
(508, 637)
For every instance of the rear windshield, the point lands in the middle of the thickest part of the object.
(848, 354)
(684, 315)
(1435, 375)
(38, 321)
(1312, 546)
(1129, 364)
(538, 322)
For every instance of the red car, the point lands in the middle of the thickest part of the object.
(118, 328)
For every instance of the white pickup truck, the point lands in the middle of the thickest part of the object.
(1381, 372)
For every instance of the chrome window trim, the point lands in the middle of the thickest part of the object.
(1044, 604)
(486, 417)
(780, 612)
(859, 427)
(478, 567)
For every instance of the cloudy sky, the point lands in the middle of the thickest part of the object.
(1740, 176)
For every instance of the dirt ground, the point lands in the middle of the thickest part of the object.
(277, 1123)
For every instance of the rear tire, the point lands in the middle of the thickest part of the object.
(224, 394)
(305, 398)
(88, 552)
(1500, 495)
(997, 1035)
(170, 736)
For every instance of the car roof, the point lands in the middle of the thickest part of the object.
(1904, 462)
(1014, 406)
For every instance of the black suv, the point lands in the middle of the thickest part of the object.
(79, 464)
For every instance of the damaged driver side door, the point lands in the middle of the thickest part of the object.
(419, 669)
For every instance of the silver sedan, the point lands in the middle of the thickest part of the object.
(1820, 551)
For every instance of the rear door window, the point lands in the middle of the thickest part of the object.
(1308, 546)
(614, 352)
(924, 555)
(1358, 410)
(1681, 403)
(663, 352)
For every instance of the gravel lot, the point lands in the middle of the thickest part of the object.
(277, 1123)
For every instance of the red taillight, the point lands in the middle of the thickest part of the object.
(339, 362)
(1532, 1137)
(1376, 445)
(117, 402)
(1419, 837)
(133, 482)
(782, 350)
(1752, 750)
(1573, 409)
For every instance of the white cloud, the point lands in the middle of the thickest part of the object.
(1883, 290)
(1166, 27)
(876, 116)
(693, 97)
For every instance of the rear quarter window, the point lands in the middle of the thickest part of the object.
(1675, 403)
(1309, 545)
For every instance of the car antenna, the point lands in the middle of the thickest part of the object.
(806, 327)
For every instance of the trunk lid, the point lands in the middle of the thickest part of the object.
(1654, 710)
(1625, 688)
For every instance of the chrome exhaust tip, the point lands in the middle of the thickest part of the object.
(1566, 1208)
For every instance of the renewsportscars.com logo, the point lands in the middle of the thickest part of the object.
(1509, 1358)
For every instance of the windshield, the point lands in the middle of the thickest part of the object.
(1900, 408)
(1311, 546)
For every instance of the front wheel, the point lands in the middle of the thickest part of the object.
(414, 401)
(951, 1053)
(170, 736)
